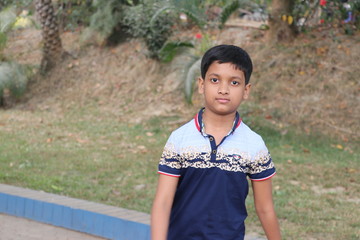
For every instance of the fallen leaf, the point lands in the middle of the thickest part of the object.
(79, 140)
(305, 150)
(140, 186)
(339, 146)
(57, 188)
(149, 134)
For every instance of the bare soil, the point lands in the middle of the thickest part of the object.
(309, 85)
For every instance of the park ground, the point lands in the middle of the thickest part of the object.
(95, 126)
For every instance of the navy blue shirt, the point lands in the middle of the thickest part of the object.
(209, 202)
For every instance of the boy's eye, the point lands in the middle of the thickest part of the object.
(214, 80)
(235, 83)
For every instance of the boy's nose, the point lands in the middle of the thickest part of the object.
(223, 89)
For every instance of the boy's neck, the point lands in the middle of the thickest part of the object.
(219, 124)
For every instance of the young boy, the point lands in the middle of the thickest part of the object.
(205, 164)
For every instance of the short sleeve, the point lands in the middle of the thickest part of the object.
(170, 163)
(261, 167)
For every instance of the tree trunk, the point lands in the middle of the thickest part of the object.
(52, 49)
(282, 29)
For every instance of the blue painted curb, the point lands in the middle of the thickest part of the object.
(73, 218)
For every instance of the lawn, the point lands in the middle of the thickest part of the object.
(91, 154)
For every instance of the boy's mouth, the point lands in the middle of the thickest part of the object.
(222, 100)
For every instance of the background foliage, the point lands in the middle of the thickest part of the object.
(13, 76)
(88, 131)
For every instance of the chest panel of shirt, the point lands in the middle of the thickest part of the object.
(234, 154)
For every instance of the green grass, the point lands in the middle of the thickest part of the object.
(85, 155)
(97, 156)
(316, 189)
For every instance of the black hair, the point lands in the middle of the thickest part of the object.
(228, 54)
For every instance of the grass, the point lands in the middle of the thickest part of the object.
(88, 154)
(316, 188)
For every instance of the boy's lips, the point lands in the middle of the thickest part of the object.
(222, 100)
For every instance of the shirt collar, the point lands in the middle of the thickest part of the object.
(201, 127)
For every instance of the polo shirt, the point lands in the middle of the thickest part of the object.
(209, 202)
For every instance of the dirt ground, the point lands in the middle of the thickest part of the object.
(310, 85)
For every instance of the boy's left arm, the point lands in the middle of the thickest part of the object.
(265, 208)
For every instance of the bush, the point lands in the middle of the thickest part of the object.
(13, 77)
(73, 13)
(329, 12)
(16, 3)
(139, 23)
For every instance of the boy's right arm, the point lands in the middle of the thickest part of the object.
(161, 209)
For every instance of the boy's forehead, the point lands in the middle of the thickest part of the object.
(220, 64)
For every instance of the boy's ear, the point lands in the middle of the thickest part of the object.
(200, 85)
(247, 91)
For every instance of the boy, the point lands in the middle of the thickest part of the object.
(203, 184)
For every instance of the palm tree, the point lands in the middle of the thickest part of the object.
(52, 49)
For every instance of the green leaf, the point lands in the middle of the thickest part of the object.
(7, 19)
(228, 9)
(3, 40)
(194, 70)
(158, 12)
(187, 7)
(170, 49)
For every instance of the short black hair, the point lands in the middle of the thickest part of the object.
(228, 54)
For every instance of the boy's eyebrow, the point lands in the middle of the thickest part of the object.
(217, 75)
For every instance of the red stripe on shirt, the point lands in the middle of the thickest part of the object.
(197, 122)
(238, 124)
(168, 174)
(263, 179)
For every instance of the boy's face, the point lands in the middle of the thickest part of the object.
(224, 88)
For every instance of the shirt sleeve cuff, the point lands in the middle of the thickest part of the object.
(263, 179)
(168, 174)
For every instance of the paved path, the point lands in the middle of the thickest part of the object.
(14, 228)
(92, 218)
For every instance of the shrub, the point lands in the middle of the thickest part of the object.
(74, 13)
(154, 32)
(13, 77)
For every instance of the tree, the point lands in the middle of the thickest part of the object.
(52, 49)
(282, 28)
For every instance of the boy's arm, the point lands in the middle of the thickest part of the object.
(161, 209)
(265, 208)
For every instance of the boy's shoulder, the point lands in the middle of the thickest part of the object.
(244, 129)
(186, 129)
(249, 139)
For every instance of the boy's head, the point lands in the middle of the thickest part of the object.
(227, 54)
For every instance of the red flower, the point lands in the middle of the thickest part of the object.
(322, 21)
(322, 2)
(198, 36)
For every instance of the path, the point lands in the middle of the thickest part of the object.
(15, 228)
